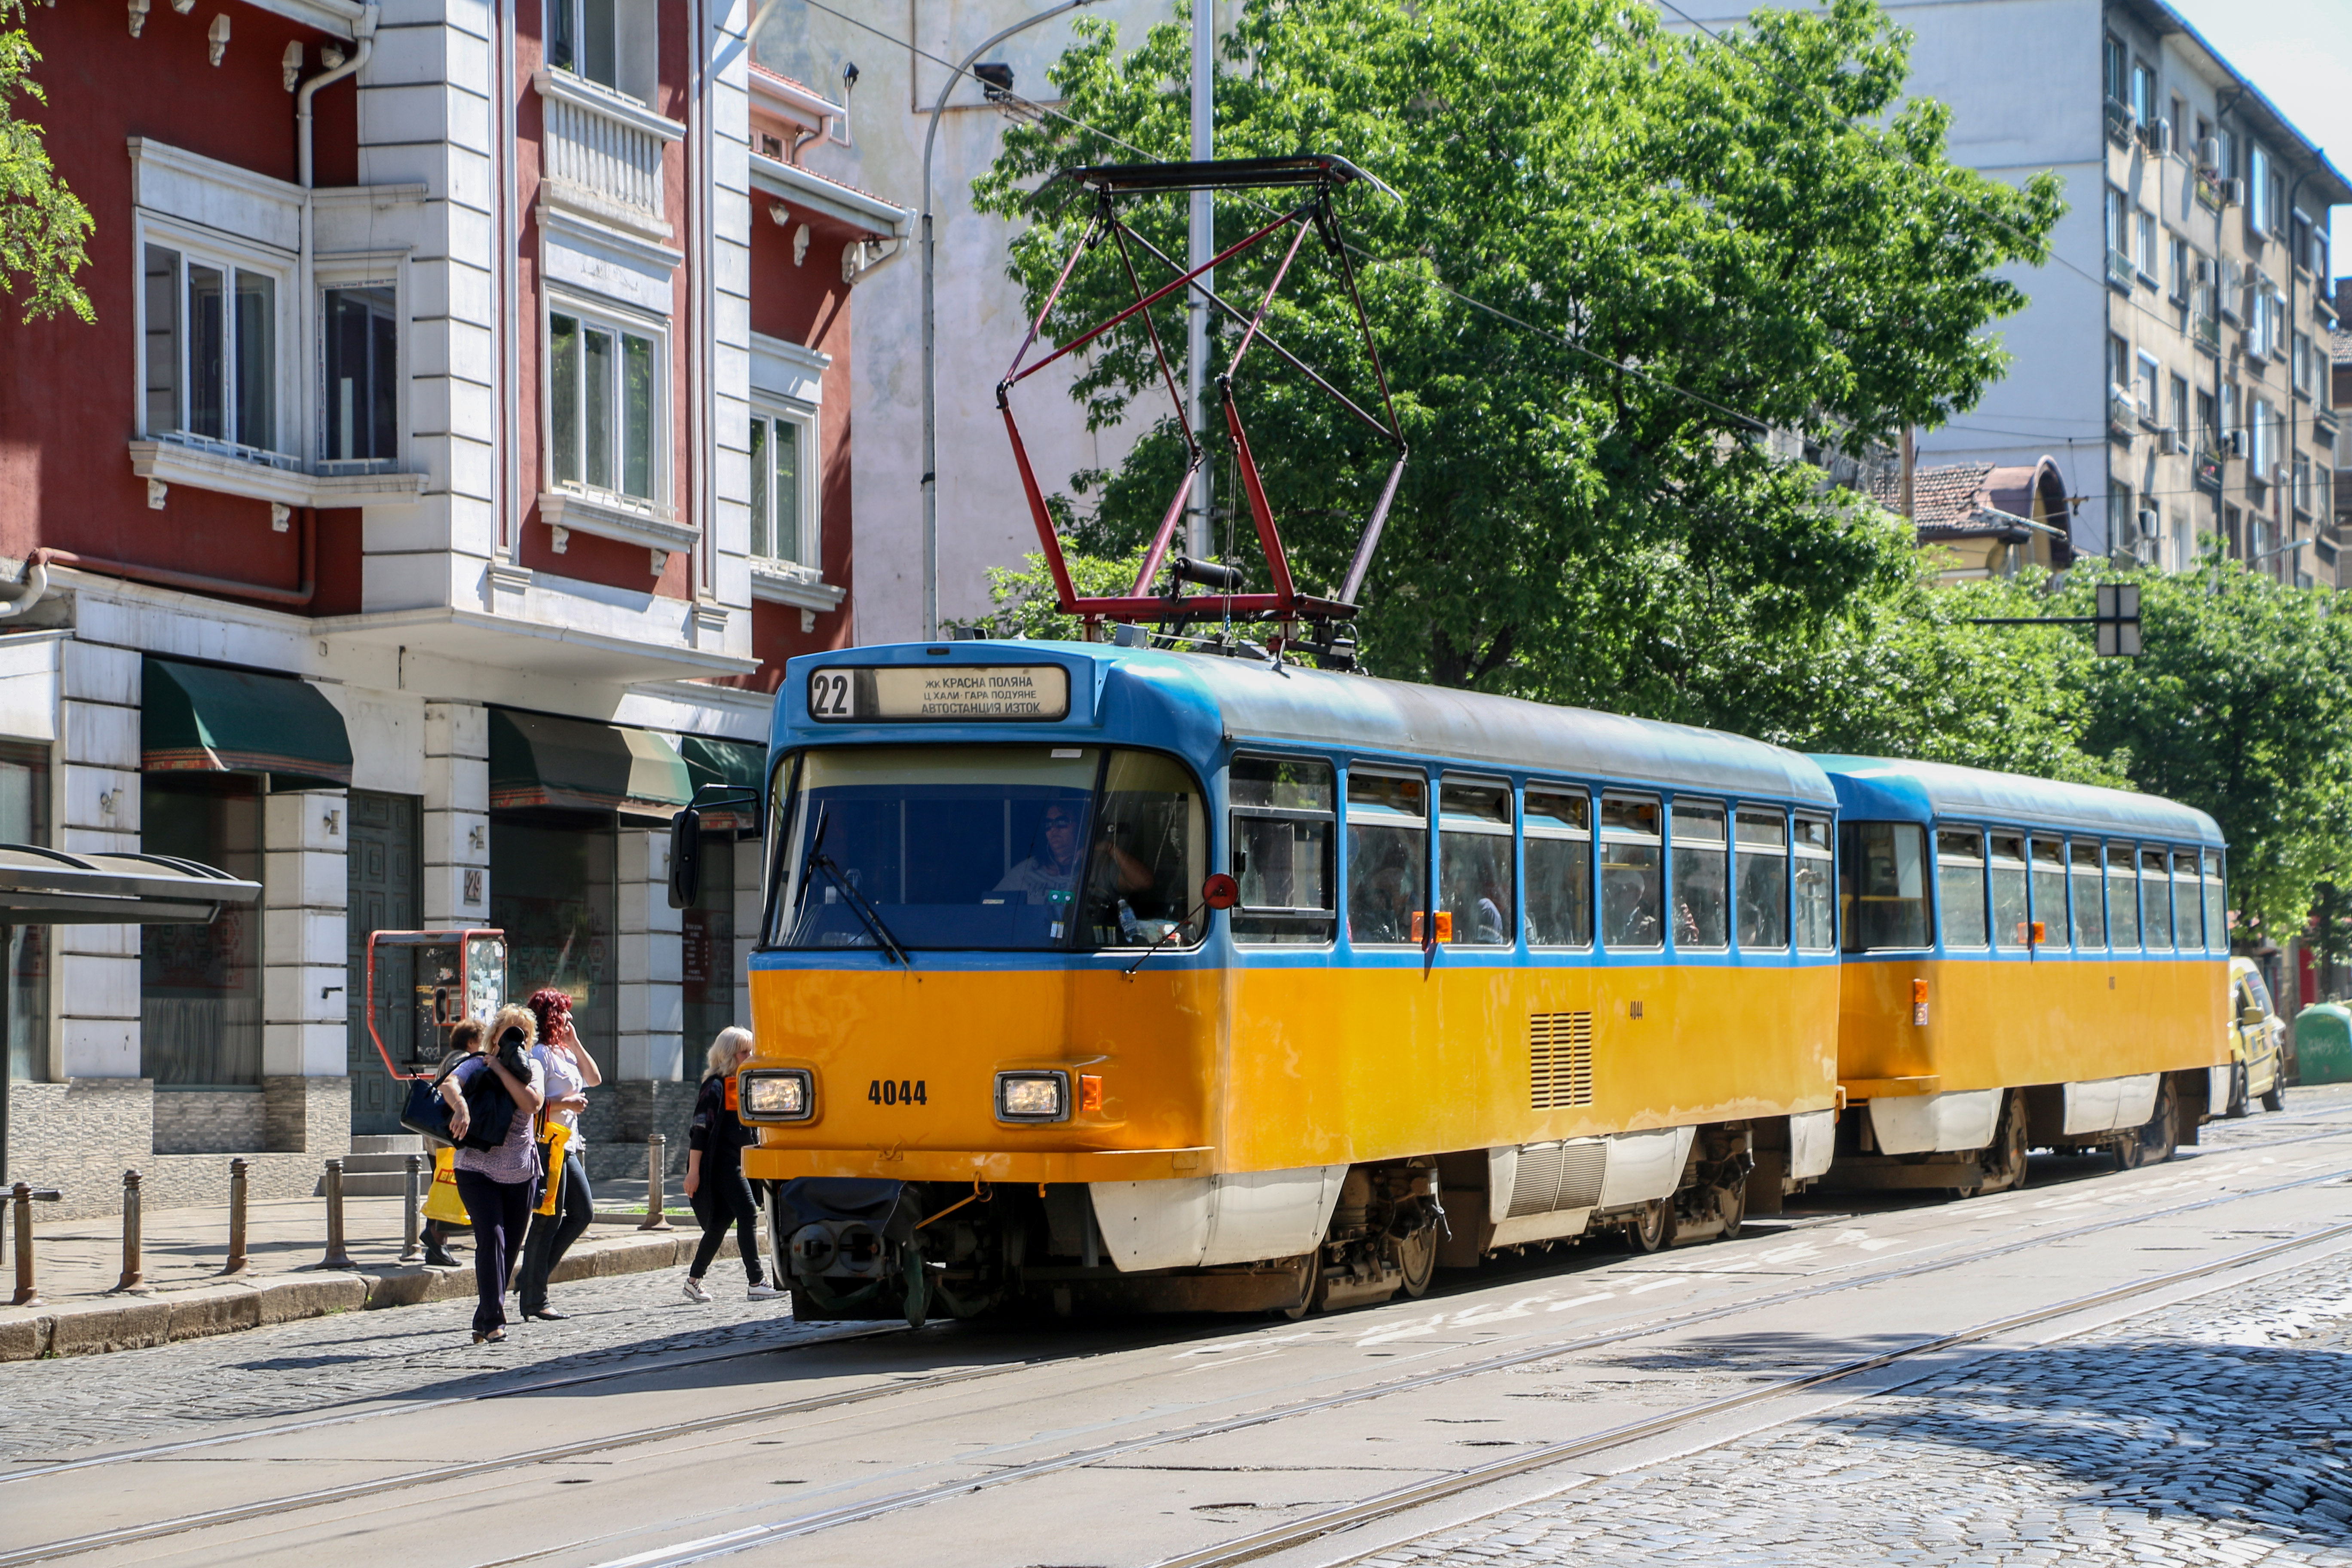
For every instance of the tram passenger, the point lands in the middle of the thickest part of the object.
(714, 1170)
(1382, 891)
(570, 1073)
(1629, 899)
(1053, 869)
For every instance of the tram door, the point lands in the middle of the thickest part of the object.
(385, 875)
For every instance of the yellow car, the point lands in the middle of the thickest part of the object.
(2256, 1033)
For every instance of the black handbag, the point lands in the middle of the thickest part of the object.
(490, 1108)
(427, 1113)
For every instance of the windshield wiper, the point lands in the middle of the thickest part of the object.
(862, 907)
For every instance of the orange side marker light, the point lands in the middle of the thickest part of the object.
(1919, 1003)
(1091, 1093)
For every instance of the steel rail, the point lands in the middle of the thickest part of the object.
(1315, 1526)
(698, 1552)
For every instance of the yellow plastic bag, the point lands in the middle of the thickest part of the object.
(552, 1140)
(441, 1200)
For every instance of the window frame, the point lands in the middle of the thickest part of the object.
(232, 254)
(385, 270)
(634, 33)
(810, 526)
(1801, 847)
(1529, 833)
(1328, 918)
(2059, 933)
(608, 316)
(1602, 835)
(1449, 822)
(1425, 912)
(1784, 852)
(1944, 857)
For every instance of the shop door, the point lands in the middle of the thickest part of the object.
(384, 875)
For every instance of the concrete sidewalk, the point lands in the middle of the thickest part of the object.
(183, 1295)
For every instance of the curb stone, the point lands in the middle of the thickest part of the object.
(137, 1323)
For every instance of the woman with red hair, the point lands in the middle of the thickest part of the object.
(570, 1072)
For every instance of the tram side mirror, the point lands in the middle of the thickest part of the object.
(685, 858)
(1221, 891)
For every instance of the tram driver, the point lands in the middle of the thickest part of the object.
(1053, 869)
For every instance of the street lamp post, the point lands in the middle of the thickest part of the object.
(931, 368)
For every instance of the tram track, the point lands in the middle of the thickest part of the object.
(812, 1523)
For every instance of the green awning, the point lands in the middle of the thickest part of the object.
(537, 760)
(195, 719)
(732, 765)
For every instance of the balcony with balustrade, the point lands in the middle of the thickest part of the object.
(602, 155)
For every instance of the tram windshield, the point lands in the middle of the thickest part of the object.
(999, 848)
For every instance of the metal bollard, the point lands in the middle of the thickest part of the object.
(336, 1257)
(133, 1276)
(412, 1204)
(237, 1185)
(656, 1163)
(25, 1196)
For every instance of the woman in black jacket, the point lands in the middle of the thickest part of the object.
(714, 1170)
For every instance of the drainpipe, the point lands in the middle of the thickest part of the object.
(364, 37)
(2221, 113)
(2287, 442)
(29, 591)
(44, 558)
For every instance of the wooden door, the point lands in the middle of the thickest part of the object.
(385, 872)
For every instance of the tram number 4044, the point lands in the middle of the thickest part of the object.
(898, 1092)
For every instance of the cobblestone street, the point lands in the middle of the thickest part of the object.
(2218, 1431)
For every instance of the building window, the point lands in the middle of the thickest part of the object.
(2143, 98)
(601, 405)
(2114, 60)
(2183, 281)
(360, 421)
(25, 820)
(2232, 417)
(211, 349)
(2208, 438)
(611, 42)
(200, 986)
(2120, 527)
(2262, 437)
(2180, 408)
(2302, 485)
(2119, 222)
(2301, 361)
(2144, 384)
(784, 513)
(2144, 244)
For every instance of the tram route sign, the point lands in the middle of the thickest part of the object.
(1014, 693)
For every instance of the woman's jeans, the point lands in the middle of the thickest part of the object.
(721, 1199)
(551, 1234)
(498, 1210)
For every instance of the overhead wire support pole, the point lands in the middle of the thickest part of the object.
(1203, 240)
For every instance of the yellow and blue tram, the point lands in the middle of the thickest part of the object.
(1094, 973)
(2027, 965)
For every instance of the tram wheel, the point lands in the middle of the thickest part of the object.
(1731, 1203)
(1417, 1257)
(1310, 1276)
(1654, 1230)
(2153, 1144)
(2005, 1172)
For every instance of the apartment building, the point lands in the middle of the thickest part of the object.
(463, 443)
(2173, 360)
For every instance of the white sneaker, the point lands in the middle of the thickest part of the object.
(694, 1290)
(764, 1291)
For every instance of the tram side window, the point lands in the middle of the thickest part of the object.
(1883, 883)
(2090, 902)
(1811, 869)
(2123, 898)
(2156, 901)
(1149, 856)
(1762, 840)
(2192, 917)
(1702, 881)
(2010, 923)
(1960, 884)
(2050, 890)
(1474, 860)
(1388, 856)
(2217, 913)
(1559, 828)
(1631, 906)
(1283, 812)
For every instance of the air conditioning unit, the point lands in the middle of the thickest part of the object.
(2209, 152)
(2233, 193)
(2150, 525)
(2168, 439)
(2278, 475)
(2204, 270)
(2234, 444)
(2162, 140)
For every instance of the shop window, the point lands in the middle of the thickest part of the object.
(1559, 828)
(210, 361)
(25, 820)
(1283, 814)
(360, 422)
(603, 410)
(784, 500)
(200, 986)
(551, 891)
(707, 951)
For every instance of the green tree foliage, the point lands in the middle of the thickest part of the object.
(43, 225)
(1697, 236)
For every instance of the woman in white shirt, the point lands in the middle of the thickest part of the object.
(570, 1073)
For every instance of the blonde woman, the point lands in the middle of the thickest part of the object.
(495, 1184)
(714, 1170)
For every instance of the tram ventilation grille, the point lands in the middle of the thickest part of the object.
(1560, 1059)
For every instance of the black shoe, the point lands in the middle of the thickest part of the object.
(546, 1314)
(440, 1257)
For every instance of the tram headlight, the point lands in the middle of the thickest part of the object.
(1032, 1096)
(786, 1094)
